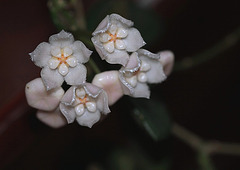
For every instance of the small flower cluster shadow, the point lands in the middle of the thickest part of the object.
(62, 59)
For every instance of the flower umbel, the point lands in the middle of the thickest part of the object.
(115, 37)
(61, 59)
(85, 103)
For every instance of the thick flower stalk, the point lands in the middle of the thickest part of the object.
(61, 59)
(115, 37)
(85, 103)
(142, 68)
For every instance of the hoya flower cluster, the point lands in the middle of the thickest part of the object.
(62, 59)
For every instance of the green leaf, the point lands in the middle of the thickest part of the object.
(153, 117)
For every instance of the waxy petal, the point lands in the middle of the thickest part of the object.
(72, 61)
(56, 52)
(88, 119)
(122, 33)
(109, 46)
(68, 112)
(41, 54)
(67, 51)
(51, 78)
(53, 63)
(91, 106)
(61, 39)
(119, 44)
(113, 29)
(104, 37)
(80, 92)
(134, 40)
(80, 52)
(76, 75)
(79, 109)
(38, 97)
(63, 69)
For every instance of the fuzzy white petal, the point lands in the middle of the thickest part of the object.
(67, 51)
(112, 29)
(132, 80)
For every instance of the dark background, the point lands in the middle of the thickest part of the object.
(204, 99)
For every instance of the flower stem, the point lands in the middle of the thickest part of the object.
(223, 45)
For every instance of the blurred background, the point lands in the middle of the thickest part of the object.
(199, 102)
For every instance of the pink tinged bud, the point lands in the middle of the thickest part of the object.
(38, 97)
(167, 60)
(54, 119)
(109, 81)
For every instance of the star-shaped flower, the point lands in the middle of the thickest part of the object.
(115, 37)
(143, 67)
(61, 59)
(85, 103)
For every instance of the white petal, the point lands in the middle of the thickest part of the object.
(122, 33)
(88, 119)
(120, 44)
(91, 106)
(41, 54)
(51, 78)
(79, 109)
(76, 75)
(63, 69)
(104, 37)
(67, 51)
(80, 93)
(72, 61)
(80, 52)
(61, 39)
(142, 77)
(113, 29)
(109, 46)
(53, 63)
(145, 66)
(134, 40)
(132, 81)
(56, 52)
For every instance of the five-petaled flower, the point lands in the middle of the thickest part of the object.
(85, 103)
(115, 37)
(61, 59)
(143, 67)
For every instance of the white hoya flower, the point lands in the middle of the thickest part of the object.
(115, 37)
(143, 67)
(85, 103)
(61, 59)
